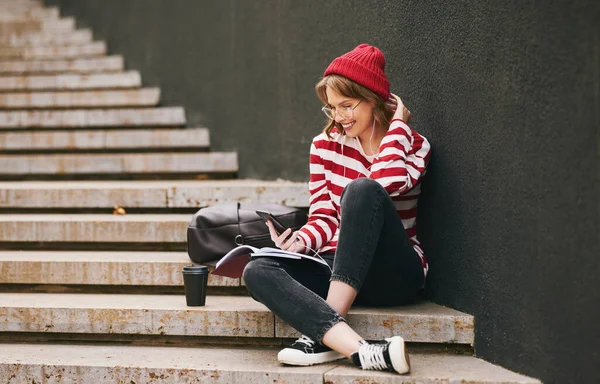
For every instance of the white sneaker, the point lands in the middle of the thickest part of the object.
(305, 351)
(389, 354)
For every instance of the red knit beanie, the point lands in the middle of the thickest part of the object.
(364, 65)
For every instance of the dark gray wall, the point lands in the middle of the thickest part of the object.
(508, 93)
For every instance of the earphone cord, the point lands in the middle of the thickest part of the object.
(371, 138)
(319, 256)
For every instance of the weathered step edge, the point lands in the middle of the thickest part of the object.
(150, 194)
(100, 268)
(94, 65)
(80, 36)
(144, 97)
(98, 139)
(81, 118)
(118, 163)
(139, 364)
(70, 82)
(130, 228)
(56, 52)
(236, 316)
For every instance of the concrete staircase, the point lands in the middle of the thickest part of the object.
(89, 295)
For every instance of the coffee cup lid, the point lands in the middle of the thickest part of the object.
(195, 268)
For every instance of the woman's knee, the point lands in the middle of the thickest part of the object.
(363, 189)
(253, 273)
(259, 272)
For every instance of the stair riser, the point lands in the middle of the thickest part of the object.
(173, 116)
(99, 273)
(24, 373)
(457, 330)
(84, 99)
(102, 232)
(20, 28)
(240, 318)
(53, 53)
(105, 64)
(199, 195)
(20, 13)
(139, 364)
(70, 82)
(110, 164)
(229, 323)
(82, 36)
(104, 140)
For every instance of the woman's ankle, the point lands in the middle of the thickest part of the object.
(343, 339)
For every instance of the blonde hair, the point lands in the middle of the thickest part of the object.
(381, 112)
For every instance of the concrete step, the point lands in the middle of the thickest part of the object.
(100, 364)
(147, 97)
(69, 82)
(150, 194)
(102, 139)
(80, 36)
(22, 3)
(99, 268)
(83, 66)
(226, 316)
(18, 13)
(8, 7)
(102, 228)
(82, 118)
(54, 52)
(19, 28)
(118, 163)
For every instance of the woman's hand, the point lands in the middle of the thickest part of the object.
(400, 110)
(293, 244)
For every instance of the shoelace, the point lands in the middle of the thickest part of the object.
(371, 356)
(306, 341)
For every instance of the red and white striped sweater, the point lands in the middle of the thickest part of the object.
(399, 167)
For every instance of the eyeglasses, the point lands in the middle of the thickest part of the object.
(344, 112)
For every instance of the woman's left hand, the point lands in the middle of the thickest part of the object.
(400, 110)
(293, 242)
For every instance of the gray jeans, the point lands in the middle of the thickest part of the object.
(374, 256)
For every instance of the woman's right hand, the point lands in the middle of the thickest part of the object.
(293, 243)
(400, 110)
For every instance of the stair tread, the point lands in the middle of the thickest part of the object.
(109, 364)
(162, 194)
(129, 79)
(238, 316)
(81, 99)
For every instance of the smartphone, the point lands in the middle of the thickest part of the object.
(280, 228)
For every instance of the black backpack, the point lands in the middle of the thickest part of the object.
(216, 230)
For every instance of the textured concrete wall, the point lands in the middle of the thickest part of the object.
(508, 92)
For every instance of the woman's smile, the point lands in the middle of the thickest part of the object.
(348, 126)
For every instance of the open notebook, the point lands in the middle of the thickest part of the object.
(233, 263)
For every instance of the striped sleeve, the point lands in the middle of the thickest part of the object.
(323, 219)
(402, 159)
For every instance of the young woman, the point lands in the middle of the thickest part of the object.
(365, 173)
